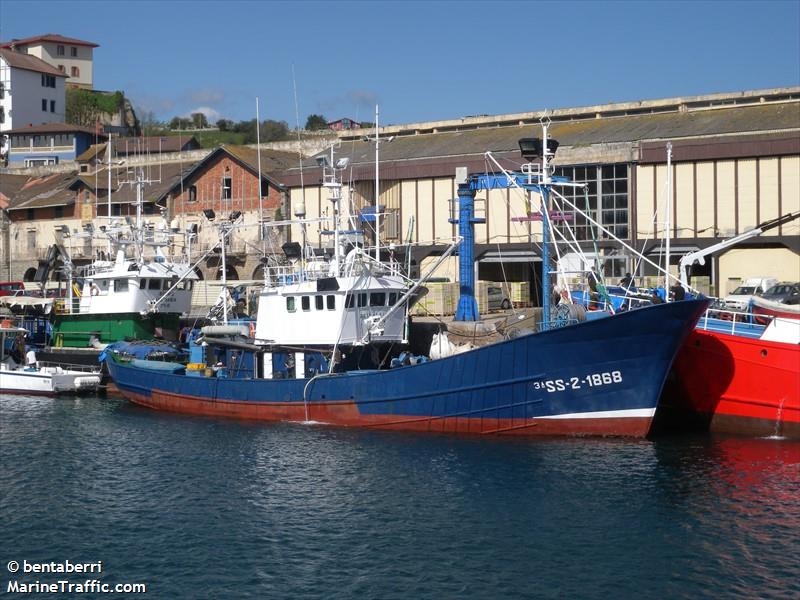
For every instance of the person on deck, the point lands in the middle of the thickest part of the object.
(627, 282)
(594, 297)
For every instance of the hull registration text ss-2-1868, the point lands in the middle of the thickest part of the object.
(576, 383)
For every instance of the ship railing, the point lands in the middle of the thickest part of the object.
(714, 317)
(61, 306)
(69, 366)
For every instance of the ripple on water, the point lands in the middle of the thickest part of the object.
(203, 508)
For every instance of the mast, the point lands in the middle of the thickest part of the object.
(258, 186)
(223, 231)
(667, 221)
(544, 189)
(377, 190)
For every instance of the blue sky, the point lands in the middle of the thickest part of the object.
(419, 60)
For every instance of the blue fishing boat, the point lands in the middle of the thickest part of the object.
(305, 361)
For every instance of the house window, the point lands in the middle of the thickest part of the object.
(319, 302)
(29, 215)
(331, 302)
(2, 115)
(290, 304)
(2, 90)
(48, 81)
(193, 193)
(264, 189)
(226, 188)
(32, 240)
(52, 106)
(59, 212)
(61, 68)
(73, 51)
(60, 50)
(305, 303)
(44, 106)
(75, 72)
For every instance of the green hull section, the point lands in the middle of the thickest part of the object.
(76, 331)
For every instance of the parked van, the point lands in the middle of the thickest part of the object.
(741, 296)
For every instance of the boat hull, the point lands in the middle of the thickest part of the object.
(563, 381)
(47, 384)
(735, 384)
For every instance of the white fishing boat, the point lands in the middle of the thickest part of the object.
(21, 373)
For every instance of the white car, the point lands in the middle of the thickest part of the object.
(740, 298)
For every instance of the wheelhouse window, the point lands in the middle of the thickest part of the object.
(319, 302)
(120, 285)
(154, 284)
(290, 307)
(349, 301)
(377, 299)
(305, 303)
(392, 298)
(362, 300)
(331, 300)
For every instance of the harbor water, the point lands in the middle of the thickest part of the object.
(210, 508)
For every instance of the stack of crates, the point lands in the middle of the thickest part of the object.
(520, 293)
(482, 295)
(441, 300)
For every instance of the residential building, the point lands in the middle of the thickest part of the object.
(71, 56)
(343, 124)
(31, 93)
(49, 144)
(176, 199)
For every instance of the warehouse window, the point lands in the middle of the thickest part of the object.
(604, 199)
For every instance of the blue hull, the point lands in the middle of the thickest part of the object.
(600, 377)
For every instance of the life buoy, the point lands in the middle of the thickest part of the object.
(95, 290)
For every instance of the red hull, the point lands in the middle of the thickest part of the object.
(740, 385)
(346, 413)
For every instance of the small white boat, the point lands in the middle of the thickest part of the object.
(37, 378)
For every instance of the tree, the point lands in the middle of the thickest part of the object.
(316, 122)
(199, 120)
(224, 125)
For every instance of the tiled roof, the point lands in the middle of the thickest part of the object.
(154, 144)
(18, 60)
(48, 37)
(271, 160)
(168, 174)
(10, 185)
(40, 192)
(53, 128)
